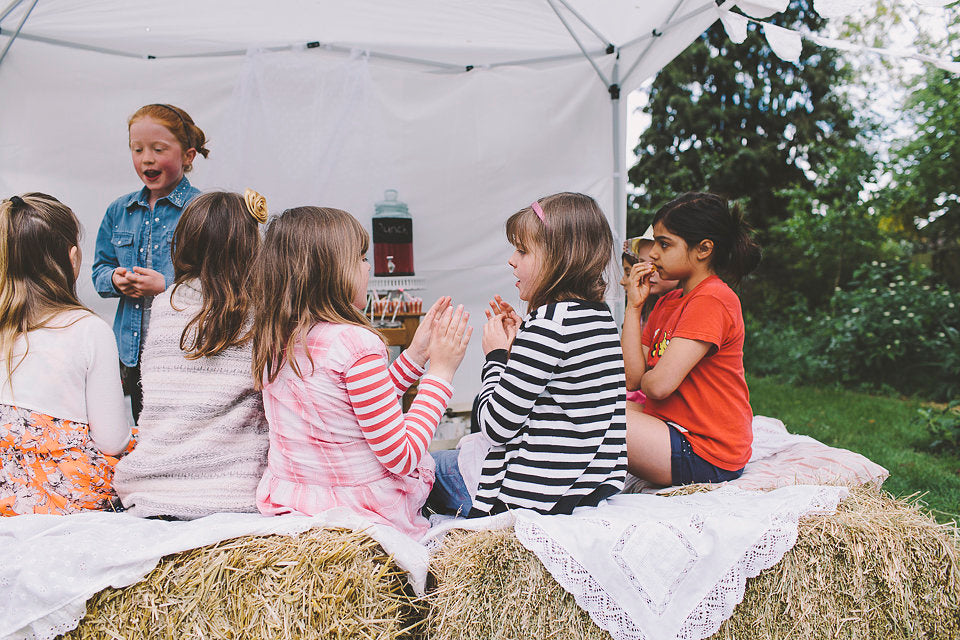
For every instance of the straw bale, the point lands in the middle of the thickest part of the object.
(325, 583)
(877, 569)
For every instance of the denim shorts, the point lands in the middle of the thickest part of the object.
(686, 467)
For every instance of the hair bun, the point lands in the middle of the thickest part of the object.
(256, 205)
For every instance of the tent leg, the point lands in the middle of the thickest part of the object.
(619, 175)
(26, 15)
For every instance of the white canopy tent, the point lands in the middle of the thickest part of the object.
(471, 109)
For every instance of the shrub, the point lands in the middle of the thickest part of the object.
(943, 425)
(895, 328)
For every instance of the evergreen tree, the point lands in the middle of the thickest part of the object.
(737, 120)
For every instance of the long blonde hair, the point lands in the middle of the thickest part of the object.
(37, 280)
(306, 273)
(575, 246)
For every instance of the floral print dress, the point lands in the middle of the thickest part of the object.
(49, 465)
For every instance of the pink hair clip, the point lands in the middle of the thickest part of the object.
(537, 209)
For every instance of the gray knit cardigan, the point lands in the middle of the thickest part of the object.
(203, 436)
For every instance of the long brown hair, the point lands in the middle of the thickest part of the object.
(306, 273)
(575, 246)
(215, 242)
(37, 279)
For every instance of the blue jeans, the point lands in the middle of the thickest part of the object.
(449, 495)
(686, 467)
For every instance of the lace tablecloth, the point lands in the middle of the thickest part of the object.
(648, 567)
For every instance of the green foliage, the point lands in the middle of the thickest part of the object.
(923, 198)
(895, 329)
(736, 120)
(943, 425)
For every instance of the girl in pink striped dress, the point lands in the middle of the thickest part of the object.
(338, 435)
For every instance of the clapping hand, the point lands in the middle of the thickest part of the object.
(419, 349)
(448, 342)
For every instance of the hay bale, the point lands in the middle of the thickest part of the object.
(877, 569)
(325, 583)
(489, 586)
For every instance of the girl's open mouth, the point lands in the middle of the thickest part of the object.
(151, 173)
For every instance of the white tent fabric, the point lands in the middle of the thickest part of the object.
(381, 98)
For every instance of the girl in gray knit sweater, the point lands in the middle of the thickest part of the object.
(203, 436)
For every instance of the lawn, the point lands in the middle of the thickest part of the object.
(880, 428)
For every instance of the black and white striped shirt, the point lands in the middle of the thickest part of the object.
(555, 411)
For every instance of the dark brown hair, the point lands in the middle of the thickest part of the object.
(215, 242)
(180, 124)
(306, 273)
(575, 246)
(699, 216)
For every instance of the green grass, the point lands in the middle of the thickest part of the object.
(879, 428)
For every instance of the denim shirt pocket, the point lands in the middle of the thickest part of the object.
(122, 242)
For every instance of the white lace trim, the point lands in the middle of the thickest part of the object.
(712, 610)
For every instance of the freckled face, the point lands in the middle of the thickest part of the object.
(526, 266)
(157, 156)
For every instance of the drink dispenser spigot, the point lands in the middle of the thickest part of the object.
(392, 237)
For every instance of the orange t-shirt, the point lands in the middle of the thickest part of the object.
(712, 402)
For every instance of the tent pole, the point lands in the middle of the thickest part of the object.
(583, 49)
(26, 15)
(10, 7)
(619, 174)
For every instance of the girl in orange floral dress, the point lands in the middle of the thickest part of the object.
(62, 415)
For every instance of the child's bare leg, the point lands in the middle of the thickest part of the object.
(648, 448)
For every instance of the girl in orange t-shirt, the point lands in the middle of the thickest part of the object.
(696, 424)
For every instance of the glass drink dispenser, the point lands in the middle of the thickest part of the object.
(392, 237)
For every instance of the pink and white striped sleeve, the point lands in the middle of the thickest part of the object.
(399, 441)
(404, 372)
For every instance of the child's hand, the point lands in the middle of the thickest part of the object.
(637, 284)
(146, 282)
(451, 334)
(511, 320)
(419, 349)
(495, 334)
(123, 283)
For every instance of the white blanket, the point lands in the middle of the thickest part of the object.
(51, 565)
(657, 568)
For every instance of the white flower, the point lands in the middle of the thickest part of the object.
(855, 310)
(913, 283)
(946, 293)
(903, 308)
(836, 288)
(910, 315)
(941, 335)
(899, 277)
(895, 321)
(926, 287)
(951, 305)
(873, 264)
(873, 290)
(883, 264)
(896, 342)
(888, 346)
(892, 285)
(886, 313)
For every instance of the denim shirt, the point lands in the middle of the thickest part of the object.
(121, 243)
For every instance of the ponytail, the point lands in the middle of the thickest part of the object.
(706, 216)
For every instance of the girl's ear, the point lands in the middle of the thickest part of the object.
(76, 259)
(188, 157)
(704, 249)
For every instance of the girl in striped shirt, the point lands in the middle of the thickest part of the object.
(552, 402)
(338, 436)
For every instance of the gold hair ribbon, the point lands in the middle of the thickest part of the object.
(256, 205)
